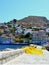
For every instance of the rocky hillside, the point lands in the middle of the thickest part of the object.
(33, 20)
(30, 21)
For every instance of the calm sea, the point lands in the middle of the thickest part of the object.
(13, 46)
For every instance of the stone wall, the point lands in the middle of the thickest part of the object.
(6, 56)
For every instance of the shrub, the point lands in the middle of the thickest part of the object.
(28, 41)
(21, 36)
(21, 40)
(9, 25)
(18, 40)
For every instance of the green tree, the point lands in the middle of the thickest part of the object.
(14, 20)
(28, 40)
(27, 35)
(21, 40)
(0, 34)
(9, 25)
(48, 34)
(35, 29)
(13, 30)
(1, 27)
(21, 36)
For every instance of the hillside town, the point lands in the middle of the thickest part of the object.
(26, 32)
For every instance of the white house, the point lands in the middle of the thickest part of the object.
(28, 31)
(34, 27)
(47, 30)
(16, 25)
(18, 31)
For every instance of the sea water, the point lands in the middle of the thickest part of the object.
(13, 46)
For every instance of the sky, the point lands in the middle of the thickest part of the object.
(18, 9)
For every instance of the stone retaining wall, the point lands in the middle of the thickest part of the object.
(6, 56)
